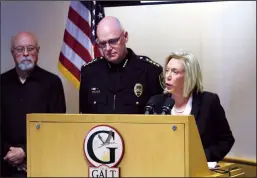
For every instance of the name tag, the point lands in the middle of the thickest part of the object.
(95, 90)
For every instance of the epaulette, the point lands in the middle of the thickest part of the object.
(149, 60)
(94, 60)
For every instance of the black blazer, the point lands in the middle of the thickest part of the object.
(213, 127)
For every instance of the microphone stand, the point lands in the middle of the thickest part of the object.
(166, 110)
(149, 109)
(168, 104)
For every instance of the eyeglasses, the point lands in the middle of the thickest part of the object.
(20, 49)
(111, 42)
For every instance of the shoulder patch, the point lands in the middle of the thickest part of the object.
(94, 60)
(162, 80)
(147, 59)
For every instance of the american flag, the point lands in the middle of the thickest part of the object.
(79, 46)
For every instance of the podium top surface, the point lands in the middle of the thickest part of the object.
(111, 118)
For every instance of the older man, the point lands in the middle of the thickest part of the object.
(25, 89)
(121, 81)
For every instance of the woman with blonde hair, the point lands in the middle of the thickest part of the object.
(184, 87)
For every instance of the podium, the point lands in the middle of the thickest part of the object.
(145, 146)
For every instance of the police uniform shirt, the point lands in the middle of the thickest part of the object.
(121, 88)
(115, 73)
(42, 92)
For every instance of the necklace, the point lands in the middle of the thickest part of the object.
(183, 109)
(179, 111)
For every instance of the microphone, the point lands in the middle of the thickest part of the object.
(168, 104)
(149, 108)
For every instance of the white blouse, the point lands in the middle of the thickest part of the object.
(187, 110)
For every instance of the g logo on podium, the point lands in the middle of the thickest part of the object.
(104, 149)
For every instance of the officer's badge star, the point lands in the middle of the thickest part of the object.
(149, 60)
(91, 61)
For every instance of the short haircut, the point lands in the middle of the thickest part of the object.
(13, 38)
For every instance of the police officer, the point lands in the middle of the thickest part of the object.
(121, 82)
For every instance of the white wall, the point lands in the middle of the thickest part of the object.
(221, 34)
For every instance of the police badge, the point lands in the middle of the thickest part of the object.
(138, 89)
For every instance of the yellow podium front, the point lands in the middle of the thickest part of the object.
(153, 145)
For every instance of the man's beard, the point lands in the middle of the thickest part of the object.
(26, 64)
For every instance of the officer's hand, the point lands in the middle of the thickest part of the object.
(15, 156)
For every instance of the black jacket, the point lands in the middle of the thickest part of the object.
(213, 127)
(122, 89)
